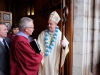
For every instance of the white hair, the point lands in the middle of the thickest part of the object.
(24, 22)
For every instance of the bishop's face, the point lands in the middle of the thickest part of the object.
(51, 25)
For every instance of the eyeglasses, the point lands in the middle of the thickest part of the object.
(31, 27)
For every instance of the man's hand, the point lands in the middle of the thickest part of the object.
(63, 44)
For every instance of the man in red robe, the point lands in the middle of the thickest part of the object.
(23, 59)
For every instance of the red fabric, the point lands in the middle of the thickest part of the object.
(10, 36)
(23, 59)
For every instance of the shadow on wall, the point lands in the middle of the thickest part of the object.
(98, 67)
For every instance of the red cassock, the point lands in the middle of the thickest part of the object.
(23, 59)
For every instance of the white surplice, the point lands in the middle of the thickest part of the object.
(50, 63)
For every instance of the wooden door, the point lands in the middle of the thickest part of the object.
(69, 33)
(67, 68)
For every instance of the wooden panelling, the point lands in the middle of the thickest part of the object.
(2, 5)
(6, 17)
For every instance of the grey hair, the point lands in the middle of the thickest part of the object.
(24, 22)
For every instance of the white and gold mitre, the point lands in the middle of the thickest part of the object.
(54, 17)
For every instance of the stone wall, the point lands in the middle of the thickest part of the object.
(85, 39)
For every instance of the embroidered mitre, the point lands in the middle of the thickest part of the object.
(54, 17)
